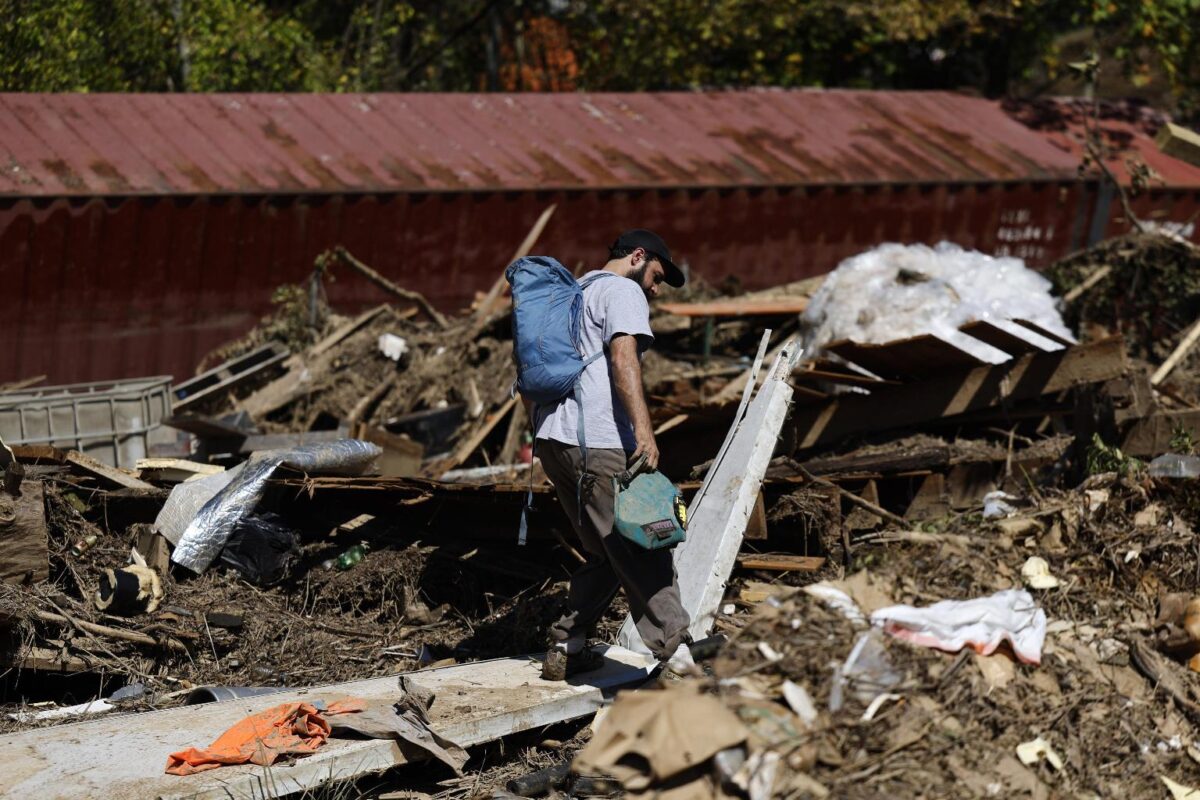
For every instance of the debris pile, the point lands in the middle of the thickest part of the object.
(975, 457)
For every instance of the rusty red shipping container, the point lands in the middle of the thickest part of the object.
(137, 232)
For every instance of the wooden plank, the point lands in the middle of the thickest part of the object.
(717, 520)
(472, 442)
(1177, 355)
(174, 470)
(949, 395)
(756, 526)
(816, 374)
(228, 374)
(737, 308)
(1040, 331)
(24, 551)
(1151, 436)
(45, 659)
(39, 454)
(103, 471)
(916, 356)
(1179, 142)
(780, 562)
(902, 460)
(1016, 340)
(474, 704)
(930, 501)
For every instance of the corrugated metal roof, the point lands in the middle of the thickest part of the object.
(80, 144)
(1127, 129)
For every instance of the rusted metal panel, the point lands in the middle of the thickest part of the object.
(81, 144)
(104, 289)
(1124, 129)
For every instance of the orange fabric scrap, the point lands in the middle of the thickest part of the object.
(286, 729)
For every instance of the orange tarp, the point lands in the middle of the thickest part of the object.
(286, 729)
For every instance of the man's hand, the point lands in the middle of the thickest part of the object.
(627, 378)
(646, 445)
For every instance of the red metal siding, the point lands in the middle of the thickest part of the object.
(110, 289)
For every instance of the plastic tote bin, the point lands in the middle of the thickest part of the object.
(116, 422)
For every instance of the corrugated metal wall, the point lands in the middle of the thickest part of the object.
(107, 288)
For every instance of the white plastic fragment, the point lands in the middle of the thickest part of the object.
(837, 600)
(982, 624)
(1035, 572)
(997, 505)
(768, 652)
(1035, 750)
(393, 346)
(1178, 790)
(877, 703)
(728, 608)
(800, 701)
(80, 710)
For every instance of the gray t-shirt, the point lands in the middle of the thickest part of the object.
(611, 305)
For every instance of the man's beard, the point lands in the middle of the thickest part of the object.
(638, 276)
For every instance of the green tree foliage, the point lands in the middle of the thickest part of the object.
(619, 45)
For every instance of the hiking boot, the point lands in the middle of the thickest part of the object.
(559, 665)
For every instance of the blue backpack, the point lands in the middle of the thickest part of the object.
(547, 320)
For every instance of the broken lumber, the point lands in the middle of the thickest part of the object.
(472, 442)
(852, 498)
(24, 548)
(717, 518)
(780, 562)
(473, 704)
(104, 472)
(374, 277)
(1179, 142)
(1029, 376)
(1177, 355)
(737, 308)
(1151, 436)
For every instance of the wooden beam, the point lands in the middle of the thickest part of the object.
(374, 277)
(1151, 436)
(1177, 355)
(473, 704)
(24, 549)
(737, 308)
(1179, 142)
(104, 472)
(942, 396)
(780, 562)
(472, 442)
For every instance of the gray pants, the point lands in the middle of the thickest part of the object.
(648, 576)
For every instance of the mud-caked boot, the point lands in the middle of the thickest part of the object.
(569, 658)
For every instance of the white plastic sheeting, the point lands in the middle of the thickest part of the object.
(208, 532)
(981, 624)
(895, 291)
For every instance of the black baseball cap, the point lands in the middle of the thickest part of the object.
(653, 244)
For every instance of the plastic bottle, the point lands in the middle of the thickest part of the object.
(351, 556)
(1173, 465)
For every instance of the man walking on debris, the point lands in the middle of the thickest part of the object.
(617, 430)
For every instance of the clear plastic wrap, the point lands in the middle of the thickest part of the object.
(895, 291)
(208, 532)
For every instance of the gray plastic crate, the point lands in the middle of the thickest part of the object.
(116, 422)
